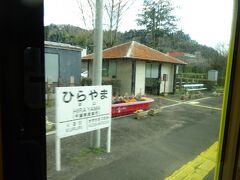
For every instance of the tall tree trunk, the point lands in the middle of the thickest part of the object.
(154, 29)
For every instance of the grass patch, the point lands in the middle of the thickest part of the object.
(49, 125)
(97, 151)
(49, 128)
(219, 89)
(180, 91)
(49, 103)
(86, 153)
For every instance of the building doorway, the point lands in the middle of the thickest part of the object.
(152, 78)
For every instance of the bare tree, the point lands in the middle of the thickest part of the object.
(222, 49)
(87, 12)
(113, 13)
(115, 10)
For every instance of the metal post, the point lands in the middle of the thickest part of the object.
(91, 139)
(97, 60)
(109, 139)
(58, 154)
(57, 138)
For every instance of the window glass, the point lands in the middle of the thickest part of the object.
(112, 69)
(148, 70)
(51, 70)
(152, 70)
(155, 69)
(105, 68)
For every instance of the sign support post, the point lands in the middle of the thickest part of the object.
(109, 139)
(58, 154)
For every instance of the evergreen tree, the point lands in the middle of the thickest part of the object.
(157, 18)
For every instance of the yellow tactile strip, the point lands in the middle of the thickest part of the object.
(199, 167)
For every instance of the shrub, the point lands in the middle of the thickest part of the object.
(86, 82)
(221, 81)
(210, 85)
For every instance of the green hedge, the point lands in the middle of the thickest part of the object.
(210, 85)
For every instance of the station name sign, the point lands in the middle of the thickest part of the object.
(82, 109)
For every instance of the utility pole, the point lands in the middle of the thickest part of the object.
(97, 59)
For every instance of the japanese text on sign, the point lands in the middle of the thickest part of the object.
(82, 109)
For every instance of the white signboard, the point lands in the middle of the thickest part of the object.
(82, 109)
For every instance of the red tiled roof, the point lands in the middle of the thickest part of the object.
(135, 50)
(176, 54)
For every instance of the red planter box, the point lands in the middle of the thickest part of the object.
(129, 108)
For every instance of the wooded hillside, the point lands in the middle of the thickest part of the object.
(168, 42)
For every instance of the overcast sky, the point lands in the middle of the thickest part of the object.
(206, 21)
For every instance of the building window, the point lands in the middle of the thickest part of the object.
(51, 67)
(109, 69)
(105, 68)
(152, 70)
(113, 69)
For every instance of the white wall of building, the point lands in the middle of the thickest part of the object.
(140, 77)
(124, 74)
(169, 70)
(172, 77)
(177, 69)
(84, 52)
